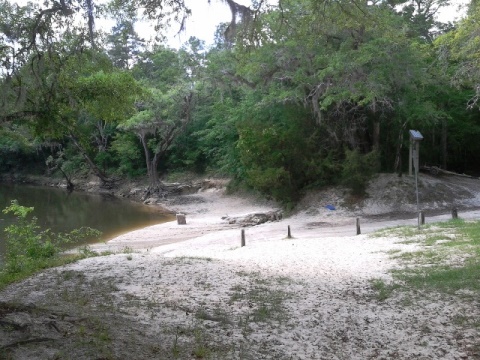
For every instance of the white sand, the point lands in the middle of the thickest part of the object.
(328, 309)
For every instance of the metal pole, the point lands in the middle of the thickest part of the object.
(415, 138)
(416, 184)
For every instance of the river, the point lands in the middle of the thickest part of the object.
(62, 211)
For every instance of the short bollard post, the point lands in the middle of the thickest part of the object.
(243, 238)
(454, 213)
(358, 226)
(422, 217)
(289, 234)
(181, 219)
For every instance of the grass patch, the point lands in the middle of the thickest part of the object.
(7, 278)
(192, 341)
(189, 259)
(264, 296)
(397, 231)
(421, 257)
(451, 224)
(449, 262)
(394, 251)
(443, 278)
(383, 290)
(436, 238)
(218, 315)
(186, 260)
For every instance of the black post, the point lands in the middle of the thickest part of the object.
(243, 238)
(289, 234)
(358, 226)
(454, 213)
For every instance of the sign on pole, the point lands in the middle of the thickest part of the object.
(415, 138)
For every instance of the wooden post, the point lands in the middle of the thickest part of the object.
(289, 234)
(422, 217)
(243, 238)
(454, 213)
(358, 226)
(181, 219)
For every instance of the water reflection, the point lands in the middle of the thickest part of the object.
(62, 211)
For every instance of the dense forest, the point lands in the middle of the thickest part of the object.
(292, 95)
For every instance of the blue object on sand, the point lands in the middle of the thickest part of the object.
(330, 207)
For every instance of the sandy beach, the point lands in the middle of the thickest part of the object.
(192, 291)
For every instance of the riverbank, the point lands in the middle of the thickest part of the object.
(307, 297)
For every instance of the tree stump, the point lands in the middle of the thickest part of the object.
(181, 219)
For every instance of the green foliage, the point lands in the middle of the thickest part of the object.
(186, 154)
(16, 147)
(163, 110)
(107, 96)
(66, 163)
(276, 145)
(460, 54)
(160, 68)
(215, 134)
(270, 105)
(358, 169)
(14, 140)
(128, 155)
(125, 43)
(28, 248)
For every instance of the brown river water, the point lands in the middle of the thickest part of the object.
(62, 211)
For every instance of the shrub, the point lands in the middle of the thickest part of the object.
(272, 181)
(280, 151)
(358, 169)
(128, 155)
(28, 247)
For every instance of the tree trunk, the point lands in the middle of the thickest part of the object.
(398, 156)
(376, 134)
(168, 133)
(152, 164)
(94, 168)
(70, 185)
(154, 179)
(444, 144)
(143, 140)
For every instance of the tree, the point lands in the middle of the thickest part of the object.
(67, 166)
(420, 16)
(55, 16)
(18, 147)
(157, 123)
(457, 63)
(95, 102)
(124, 44)
(72, 95)
(459, 49)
